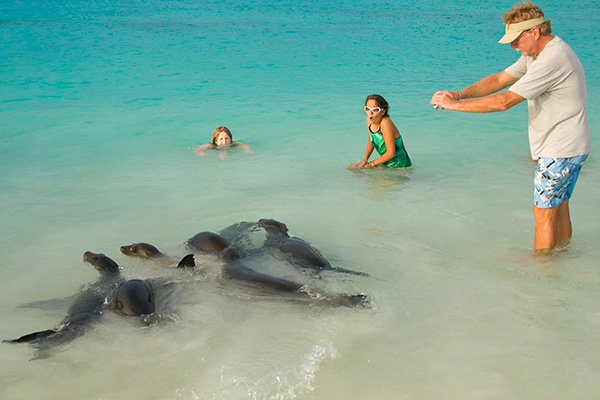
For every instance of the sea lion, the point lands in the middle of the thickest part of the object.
(107, 267)
(208, 242)
(297, 251)
(231, 255)
(131, 298)
(141, 250)
(109, 274)
(85, 310)
(150, 252)
(234, 269)
(88, 306)
(277, 232)
(70, 328)
(135, 298)
(249, 236)
(304, 255)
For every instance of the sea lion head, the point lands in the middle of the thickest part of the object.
(274, 227)
(102, 263)
(141, 250)
(209, 242)
(135, 297)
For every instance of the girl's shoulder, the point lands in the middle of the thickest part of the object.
(387, 126)
(387, 123)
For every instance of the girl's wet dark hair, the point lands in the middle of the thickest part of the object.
(381, 103)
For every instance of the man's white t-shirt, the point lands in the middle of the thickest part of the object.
(554, 85)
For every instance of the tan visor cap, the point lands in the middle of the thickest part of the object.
(514, 30)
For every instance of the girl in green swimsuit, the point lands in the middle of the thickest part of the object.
(383, 136)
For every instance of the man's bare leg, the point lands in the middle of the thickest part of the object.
(552, 226)
(545, 228)
(564, 229)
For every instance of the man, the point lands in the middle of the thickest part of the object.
(550, 77)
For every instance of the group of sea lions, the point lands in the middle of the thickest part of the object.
(236, 247)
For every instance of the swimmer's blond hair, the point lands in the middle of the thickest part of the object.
(218, 132)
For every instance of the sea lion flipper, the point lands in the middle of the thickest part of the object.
(32, 337)
(238, 271)
(349, 271)
(187, 262)
(355, 300)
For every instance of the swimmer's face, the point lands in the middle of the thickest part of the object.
(373, 116)
(223, 139)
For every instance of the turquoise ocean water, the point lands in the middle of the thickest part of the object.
(101, 105)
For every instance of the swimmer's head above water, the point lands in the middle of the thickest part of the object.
(222, 136)
(222, 139)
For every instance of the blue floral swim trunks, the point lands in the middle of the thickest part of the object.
(555, 180)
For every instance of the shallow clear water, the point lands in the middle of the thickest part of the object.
(101, 106)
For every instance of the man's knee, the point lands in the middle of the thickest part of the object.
(563, 209)
(545, 215)
(555, 218)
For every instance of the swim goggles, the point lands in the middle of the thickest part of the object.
(374, 109)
